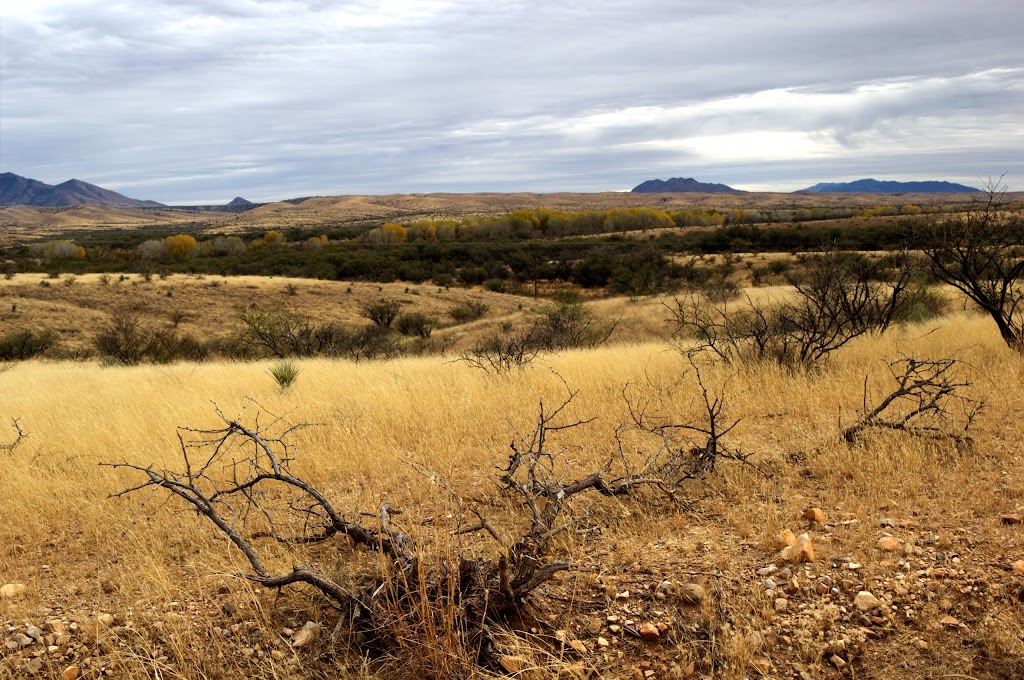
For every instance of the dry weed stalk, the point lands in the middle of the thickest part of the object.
(18, 440)
(920, 402)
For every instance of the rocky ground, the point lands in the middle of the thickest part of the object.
(931, 598)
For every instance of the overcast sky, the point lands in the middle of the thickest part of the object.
(197, 101)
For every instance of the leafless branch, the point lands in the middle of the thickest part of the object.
(920, 402)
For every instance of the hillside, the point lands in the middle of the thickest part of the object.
(682, 185)
(875, 186)
(17, 190)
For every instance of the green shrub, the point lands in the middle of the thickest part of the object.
(21, 345)
(415, 323)
(470, 310)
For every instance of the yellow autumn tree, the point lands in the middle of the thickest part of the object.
(179, 245)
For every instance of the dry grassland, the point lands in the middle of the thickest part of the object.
(211, 303)
(21, 223)
(165, 576)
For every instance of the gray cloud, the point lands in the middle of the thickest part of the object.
(202, 100)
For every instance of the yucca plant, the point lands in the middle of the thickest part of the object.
(285, 372)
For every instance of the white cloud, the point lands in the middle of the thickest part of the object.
(468, 95)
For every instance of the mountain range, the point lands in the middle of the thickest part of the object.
(874, 186)
(17, 190)
(682, 185)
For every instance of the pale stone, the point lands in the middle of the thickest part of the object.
(865, 601)
(12, 590)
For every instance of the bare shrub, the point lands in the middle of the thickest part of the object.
(382, 313)
(839, 298)
(688, 450)
(921, 402)
(453, 585)
(283, 334)
(504, 351)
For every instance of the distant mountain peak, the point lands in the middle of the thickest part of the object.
(874, 186)
(238, 200)
(17, 190)
(683, 185)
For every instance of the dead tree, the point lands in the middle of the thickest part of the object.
(238, 478)
(920, 403)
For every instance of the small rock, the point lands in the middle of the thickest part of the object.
(601, 642)
(865, 601)
(838, 661)
(649, 632)
(22, 640)
(624, 595)
(801, 551)
(1018, 567)
(10, 591)
(816, 515)
(34, 666)
(578, 646)
(781, 604)
(889, 543)
(306, 634)
(767, 571)
(614, 628)
(71, 673)
(105, 620)
(692, 593)
(950, 621)
(55, 626)
(887, 523)
(277, 655)
(1011, 519)
(921, 644)
(786, 538)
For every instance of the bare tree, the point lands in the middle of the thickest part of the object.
(981, 253)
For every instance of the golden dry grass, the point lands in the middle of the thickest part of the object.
(20, 223)
(170, 574)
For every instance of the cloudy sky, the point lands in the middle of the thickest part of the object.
(197, 101)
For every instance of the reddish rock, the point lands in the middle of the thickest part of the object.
(816, 515)
(649, 632)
